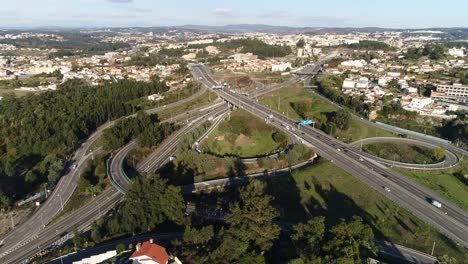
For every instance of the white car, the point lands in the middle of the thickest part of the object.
(387, 189)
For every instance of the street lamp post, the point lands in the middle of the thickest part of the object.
(61, 202)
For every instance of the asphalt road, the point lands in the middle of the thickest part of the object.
(423, 137)
(450, 159)
(162, 153)
(34, 224)
(449, 220)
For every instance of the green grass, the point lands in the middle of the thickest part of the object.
(327, 190)
(205, 99)
(255, 140)
(400, 152)
(449, 183)
(295, 93)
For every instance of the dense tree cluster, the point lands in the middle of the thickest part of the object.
(149, 202)
(295, 154)
(256, 47)
(177, 53)
(92, 179)
(53, 124)
(369, 45)
(146, 128)
(96, 49)
(346, 242)
(72, 43)
(433, 52)
(248, 234)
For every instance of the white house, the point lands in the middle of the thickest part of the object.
(419, 103)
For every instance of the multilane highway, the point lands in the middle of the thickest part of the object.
(449, 220)
(82, 218)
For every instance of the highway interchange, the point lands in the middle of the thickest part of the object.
(451, 220)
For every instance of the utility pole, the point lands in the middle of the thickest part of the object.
(61, 202)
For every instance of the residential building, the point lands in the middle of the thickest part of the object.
(282, 66)
(149, 253)
(456, 93)
(456, 52)
(418, 103)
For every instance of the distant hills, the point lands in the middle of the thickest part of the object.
(245, 28)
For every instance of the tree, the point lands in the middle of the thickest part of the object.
(348, 242)
(149, 202)
(4, 201)
(193, 236)
(77, 239)
(30, 177)
(307, 239)
(439, 153)
(300, 43)
(250, 224)
(96, 235)
(120, 248)
(342, 119)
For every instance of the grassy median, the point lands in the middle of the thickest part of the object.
(244, 135)
(283, 99)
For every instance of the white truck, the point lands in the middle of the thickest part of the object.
(436, 204)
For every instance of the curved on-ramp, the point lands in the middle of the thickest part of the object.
(450, 159)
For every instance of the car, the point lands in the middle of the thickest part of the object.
(436, 203)
(387, 189)
(74, 166)
(338, 149)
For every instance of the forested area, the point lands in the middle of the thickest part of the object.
(96, 49)
(369, 45)
(146, 128)
(40, 132)
(433, 52)
(250, 232)
(257, 47)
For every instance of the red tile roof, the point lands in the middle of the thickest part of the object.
(153, 252)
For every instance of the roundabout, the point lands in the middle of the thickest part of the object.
(450, 159)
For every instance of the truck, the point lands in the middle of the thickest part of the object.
(436, 204)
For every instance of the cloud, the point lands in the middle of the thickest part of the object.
(222, 12)
(120, 1)
(275, 14)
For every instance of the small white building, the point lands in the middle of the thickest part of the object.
(280, 67)
(456, 52)
(155, 97)
(419, 103)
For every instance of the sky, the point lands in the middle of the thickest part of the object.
(297, 13)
